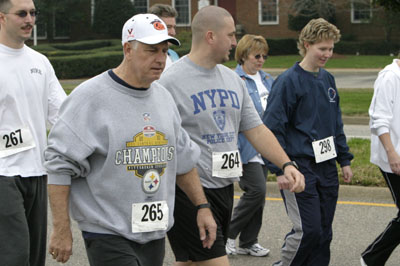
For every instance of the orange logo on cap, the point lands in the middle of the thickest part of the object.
(158, 25)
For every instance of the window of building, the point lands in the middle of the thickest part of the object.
(61, 26)
(41, 30)
(141, 6)
(268, 12)
(361, 11)
(184, 15)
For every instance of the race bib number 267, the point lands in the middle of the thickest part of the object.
(15, 141)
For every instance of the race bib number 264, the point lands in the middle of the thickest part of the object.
(226, 164)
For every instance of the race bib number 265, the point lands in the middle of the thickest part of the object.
(149, 216)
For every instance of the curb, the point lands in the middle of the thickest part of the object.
(355, 120)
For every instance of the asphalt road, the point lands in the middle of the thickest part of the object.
(362, 213)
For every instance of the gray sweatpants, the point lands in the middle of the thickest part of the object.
(248, 213)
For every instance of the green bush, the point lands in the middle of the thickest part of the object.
(185, 37)
(89, 65)
(82, 45)
(42, 48)
(282, 46)
(110, 16)
(367, 47)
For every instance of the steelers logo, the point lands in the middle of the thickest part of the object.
(151, 181)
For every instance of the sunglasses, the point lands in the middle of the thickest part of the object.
(258, 56)
(23, 13)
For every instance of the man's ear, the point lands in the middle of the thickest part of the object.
(210, 37)
(127, 50)
(2, 17)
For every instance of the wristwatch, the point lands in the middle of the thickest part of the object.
(292, 163)
(204, 205)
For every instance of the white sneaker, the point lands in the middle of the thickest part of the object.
(363, 262)
(230, 247)
(255, 250)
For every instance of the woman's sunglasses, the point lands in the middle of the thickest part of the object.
(258, 56)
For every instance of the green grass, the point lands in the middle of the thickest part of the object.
(338, 61)
(355, 102)
(364, 173)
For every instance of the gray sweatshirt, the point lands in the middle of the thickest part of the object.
(120, 150)
(215, 106)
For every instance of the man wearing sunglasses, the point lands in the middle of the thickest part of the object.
(30, 96)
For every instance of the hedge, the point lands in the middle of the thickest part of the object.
(82, 66)
(367, 48)
(82, 45)
(89, 58)
(289, 46)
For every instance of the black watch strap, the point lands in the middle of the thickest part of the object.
(202, 206)
(292, 163)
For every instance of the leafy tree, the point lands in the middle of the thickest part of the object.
(389, 18)
(389, 5)
(59, 15)
(305, 10)
(110, 16)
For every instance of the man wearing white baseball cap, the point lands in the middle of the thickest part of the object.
(116, 154)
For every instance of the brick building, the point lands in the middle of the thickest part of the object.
(357, 19)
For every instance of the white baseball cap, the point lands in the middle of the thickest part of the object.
(146, 28)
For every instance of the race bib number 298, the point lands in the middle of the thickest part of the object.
(324, 149)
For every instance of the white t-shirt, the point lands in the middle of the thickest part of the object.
(30, 96)
(263, 92)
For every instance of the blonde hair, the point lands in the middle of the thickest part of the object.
(250, 43)
(315, 31)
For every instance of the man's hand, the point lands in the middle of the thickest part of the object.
(347, 173)
(295, 179)
(207, 227)
(283, 183)
(60, 246)
(394, 161)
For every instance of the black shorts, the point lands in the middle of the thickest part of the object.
(184, 236)
(111, 250)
